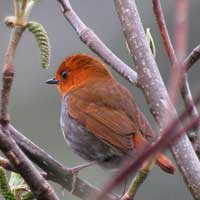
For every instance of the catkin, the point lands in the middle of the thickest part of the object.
(43, 42)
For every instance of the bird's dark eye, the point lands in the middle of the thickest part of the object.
(64, 75)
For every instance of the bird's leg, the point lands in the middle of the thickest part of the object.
(77, 169)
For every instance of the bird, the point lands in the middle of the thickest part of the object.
(99, 118)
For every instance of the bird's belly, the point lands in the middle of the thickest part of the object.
(87, 145)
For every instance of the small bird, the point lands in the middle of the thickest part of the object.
(99, 117)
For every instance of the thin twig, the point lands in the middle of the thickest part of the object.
(163, 31)
(156, 94)
(193, 57)
(139, 178)
(8, 73)
(88, 37)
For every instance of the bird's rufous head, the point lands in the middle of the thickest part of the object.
(78, 70)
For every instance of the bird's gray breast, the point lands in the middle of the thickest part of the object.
(86, 144)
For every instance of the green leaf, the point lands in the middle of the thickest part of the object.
(19, 187)
(4, 186)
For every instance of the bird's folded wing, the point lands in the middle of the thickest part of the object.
(112, 126)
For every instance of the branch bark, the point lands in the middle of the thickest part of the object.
(38, 185)
(155, 92)
(88, 37)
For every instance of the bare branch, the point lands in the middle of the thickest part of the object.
(193, 57)
(88, 37)
(8, 73)
(153, 87)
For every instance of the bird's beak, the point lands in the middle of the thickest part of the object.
(52, 81)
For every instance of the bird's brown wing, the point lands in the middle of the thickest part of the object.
(112, 126)
(108, 110)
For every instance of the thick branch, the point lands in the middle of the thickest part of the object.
(156, 94)
(93, 42)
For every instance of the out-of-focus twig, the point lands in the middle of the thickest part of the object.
(93, 42)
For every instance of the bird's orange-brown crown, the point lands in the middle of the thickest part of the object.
(77, 70)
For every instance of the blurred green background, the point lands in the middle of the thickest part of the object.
(35, 106)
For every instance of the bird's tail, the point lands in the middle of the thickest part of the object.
(162, 161)
(166, 164)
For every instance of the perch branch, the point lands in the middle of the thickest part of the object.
(155, 92)
(55, 171)
(88, 37)
(39, 186)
